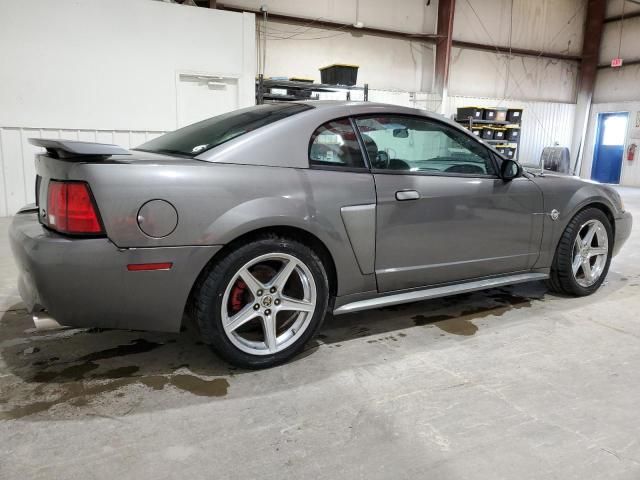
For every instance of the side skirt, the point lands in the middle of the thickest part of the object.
(436, 292)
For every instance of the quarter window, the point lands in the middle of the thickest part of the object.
(335, 144)
(420, 145)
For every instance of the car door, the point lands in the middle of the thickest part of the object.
(443, 214)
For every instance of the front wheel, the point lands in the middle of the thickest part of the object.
(263, 302)
(583, 256)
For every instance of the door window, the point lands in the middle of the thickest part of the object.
(335, 145)
(422, 146)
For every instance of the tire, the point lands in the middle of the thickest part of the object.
(244, 284)
(570, 275)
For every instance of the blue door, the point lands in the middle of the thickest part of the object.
(609, 148)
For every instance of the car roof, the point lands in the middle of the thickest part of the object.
(285, 143)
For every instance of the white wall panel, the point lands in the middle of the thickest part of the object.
(112, 64)
(614, 7)
(543, 123)
(551, 25)
(402, 15)
(108, 71)
(487, 74)
(619, 84)
(385, 63)
(17, 155)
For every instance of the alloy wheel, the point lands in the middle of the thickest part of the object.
(268, 304)
(590, 252)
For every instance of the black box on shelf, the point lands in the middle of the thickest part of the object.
(509, 152)
(487, 133)
(489, 113)
(499, 133)
(514, 115)
(513, 133)
(463, 113)
(297, 92)
(477, 131)
(339, 74)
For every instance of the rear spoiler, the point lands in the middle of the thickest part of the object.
(73, 148)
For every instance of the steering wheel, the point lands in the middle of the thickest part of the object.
(382, 160)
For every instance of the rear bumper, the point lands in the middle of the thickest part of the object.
(85, 282)
(623, 230)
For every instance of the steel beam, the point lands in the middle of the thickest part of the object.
(627, 16)
(592, 36)
(446, 9)
(524, 52)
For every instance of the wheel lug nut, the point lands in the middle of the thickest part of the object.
(273, 290)
(276, 302)
(259, 293)
(267, 312)
(256, 306)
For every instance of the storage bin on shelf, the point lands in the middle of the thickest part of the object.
(489, 113)
(499, 133)
(512, 133)
(464, 113)
(506, 150)
(297, 92)
(487, 133)
(514, 115)
(339, 74)
(477, 131)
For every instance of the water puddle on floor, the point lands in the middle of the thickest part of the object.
(461, 324)
(91, 377)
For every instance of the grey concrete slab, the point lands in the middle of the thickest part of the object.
(503, 384)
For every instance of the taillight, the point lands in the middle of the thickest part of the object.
(70, 208)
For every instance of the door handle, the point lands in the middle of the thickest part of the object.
(404, 195)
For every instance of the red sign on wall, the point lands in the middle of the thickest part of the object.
(616, 62)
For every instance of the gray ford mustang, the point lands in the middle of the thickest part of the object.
(260, 221)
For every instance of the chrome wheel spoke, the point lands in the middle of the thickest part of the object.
(253, 284)
(269, 328)
(240, 318)
(294, 305)
(280, 280)
(588, 238)
(577, 261)
(595, 251)
(586, 269)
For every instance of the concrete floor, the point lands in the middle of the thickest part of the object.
(503, 384)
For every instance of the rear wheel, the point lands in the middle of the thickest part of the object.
(583, 256)
(260, 304)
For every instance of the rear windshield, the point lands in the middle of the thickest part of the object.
(192, 140)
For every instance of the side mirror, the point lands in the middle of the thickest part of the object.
(510, 169)
(400, 133)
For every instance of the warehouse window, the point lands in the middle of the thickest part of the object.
(335, 144)
(423, 146)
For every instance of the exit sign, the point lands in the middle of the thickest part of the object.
(616, 62)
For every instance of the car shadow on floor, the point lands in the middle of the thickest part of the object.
(77, 366)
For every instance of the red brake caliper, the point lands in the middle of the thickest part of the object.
(237, 296)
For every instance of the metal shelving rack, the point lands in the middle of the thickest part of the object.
(470, 122)
(263, 87)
